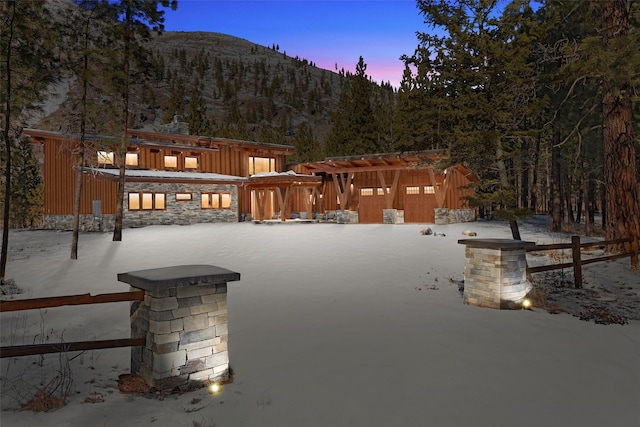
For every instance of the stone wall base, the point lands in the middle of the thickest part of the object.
(392, 216)
(446, 216)
(346, 217)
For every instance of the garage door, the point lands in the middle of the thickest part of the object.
(371, 204)
(419, 204)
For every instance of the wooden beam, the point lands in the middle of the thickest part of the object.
(37, 303)
(30, 350)
(344, 192)
(283, 202)
(441, 193)
(260, 196)
(389, 195)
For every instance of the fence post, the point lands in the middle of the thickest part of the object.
(577, 263)
(635, 246)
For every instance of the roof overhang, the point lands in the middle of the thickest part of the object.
(284, 179)
(377, 162)
(135, 175)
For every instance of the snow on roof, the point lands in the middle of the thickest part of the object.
(159, 174)
(270, 174)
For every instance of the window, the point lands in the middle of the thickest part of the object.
(413, 190)
(381, 191)
(366, 191)
(170, 161)
(147, 201)
(183, 197)
(105, 157)
(216, 200)
(261, 164)
(428, 189)
(191, 163)
(131, 159)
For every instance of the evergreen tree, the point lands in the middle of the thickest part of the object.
(619, 66)
(85, 39)
(27, 58)
(137, 19)
(482, 73)
(26, 189)
(354, 127)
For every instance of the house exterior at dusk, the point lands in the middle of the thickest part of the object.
(186, 179)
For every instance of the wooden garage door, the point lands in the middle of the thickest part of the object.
(371, 204)
(419, 204)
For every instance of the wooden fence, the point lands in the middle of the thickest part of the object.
(576, 254)
(38, 303)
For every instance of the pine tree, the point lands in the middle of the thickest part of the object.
(27, 57)
(354, 126)
(137, 19)
(620, 46)
(480, 72)
(85, 40)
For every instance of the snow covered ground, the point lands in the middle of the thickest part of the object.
(330, 325)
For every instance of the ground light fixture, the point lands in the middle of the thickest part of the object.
(215, 388)
(526, 303)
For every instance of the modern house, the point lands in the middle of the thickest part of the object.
(186, 179)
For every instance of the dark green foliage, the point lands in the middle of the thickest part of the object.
(28, 52)
(27, 196)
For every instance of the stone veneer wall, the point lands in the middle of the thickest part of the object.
(495, 273)
(392, 216)
(176, 212)
(346, 217)
(184, 319)
(187, 336)
(445, 216)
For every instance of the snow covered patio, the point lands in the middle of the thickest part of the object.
(330, 325)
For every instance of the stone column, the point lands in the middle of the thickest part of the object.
(392, 216)
(184, 320)
(441, 216)
(495, 273)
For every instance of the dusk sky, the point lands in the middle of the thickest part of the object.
(327, 32)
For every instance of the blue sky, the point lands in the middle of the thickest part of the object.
(325, 32)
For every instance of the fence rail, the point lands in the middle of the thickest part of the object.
(38, 303)
(576, 254)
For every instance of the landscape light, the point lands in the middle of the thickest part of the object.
(215, 388)
(526, 303)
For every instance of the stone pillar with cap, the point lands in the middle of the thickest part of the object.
(184, 320)
(495, 273)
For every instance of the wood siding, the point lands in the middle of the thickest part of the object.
(418, 208)
(60, 160)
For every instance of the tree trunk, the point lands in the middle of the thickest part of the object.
(534, 176)
(504, 183)
(556, 177)
(117, 230)
(620, 177)
(7, 143)
(77, 197)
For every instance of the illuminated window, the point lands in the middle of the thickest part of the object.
(381, 191)
(216, 201)
(183, 197)
(105, 157)
(261, 164)
(170, 161)
(131, 159)
(428, 189)
(191, 163)
(147, 201)
(413, 190)
(366, 191)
